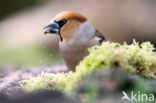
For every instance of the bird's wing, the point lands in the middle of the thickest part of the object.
(100, 35)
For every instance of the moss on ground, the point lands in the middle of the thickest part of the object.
(136, 58)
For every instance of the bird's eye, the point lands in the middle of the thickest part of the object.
(62, 22)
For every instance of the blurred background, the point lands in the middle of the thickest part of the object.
(23, 44)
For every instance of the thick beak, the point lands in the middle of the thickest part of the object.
(52, 27)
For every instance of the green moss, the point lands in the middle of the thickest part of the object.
(134, 58)
(36, 83)
(61, 81)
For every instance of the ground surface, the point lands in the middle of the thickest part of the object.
(10, 79)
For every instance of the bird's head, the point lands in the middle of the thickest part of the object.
(71, 26)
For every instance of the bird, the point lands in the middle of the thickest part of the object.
(76, 35)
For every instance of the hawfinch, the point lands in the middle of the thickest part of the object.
(76, 34)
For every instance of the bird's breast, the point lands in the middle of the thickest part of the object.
(73, 54)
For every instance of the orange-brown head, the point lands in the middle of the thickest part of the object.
(70, 26)
(70, 15)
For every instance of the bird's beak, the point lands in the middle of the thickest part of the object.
(52, 27)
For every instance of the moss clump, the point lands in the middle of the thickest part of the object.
(135, 58)
(44, 81)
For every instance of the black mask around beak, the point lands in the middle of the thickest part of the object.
(52, 27)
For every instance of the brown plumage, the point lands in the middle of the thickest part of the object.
(77, 34)
(70, 15)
